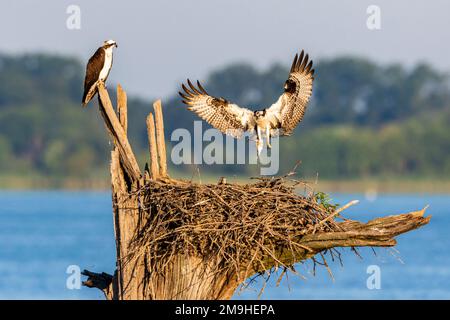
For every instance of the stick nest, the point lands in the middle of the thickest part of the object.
(238, 225)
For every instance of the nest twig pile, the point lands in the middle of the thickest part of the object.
(238, 225)
(180, 240)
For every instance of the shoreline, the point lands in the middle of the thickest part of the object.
(366, 186)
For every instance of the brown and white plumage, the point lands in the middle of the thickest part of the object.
(290, 108)
(227, 117)
(97, 69)
(280, 118)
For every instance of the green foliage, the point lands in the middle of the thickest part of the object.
(417, 147)
(324, 200)
(364, 120)
(5, 153)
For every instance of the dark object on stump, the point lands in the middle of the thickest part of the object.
(97, 280)
(181, 240)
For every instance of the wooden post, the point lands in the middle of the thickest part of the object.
(118, 133)
(127, 281)
(122, 112)
(160, 139)
(152, 147)
(122, 108)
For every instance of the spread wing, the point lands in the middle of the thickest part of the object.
(93, 68)
(227, 117)
(290, 108)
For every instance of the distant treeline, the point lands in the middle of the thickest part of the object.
(364, 119)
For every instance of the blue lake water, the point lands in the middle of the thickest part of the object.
(43, 233)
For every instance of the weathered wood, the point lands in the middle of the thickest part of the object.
(191, 278)
(118, 134)
(187, 276)
(160, 139)
(118, 186)
(154, 167)
(122, 108)
(380, 232)
(127, 213)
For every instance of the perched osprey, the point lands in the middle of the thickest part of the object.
(97, 69)
(280, 118)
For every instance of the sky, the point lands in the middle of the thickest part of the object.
(163, 42)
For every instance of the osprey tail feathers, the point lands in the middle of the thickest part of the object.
(89, 94)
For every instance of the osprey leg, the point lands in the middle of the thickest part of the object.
(268, 136)
(259, 140)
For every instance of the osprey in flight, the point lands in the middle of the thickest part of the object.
(97, 69)
(280, 118)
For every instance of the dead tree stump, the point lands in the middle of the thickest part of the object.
(178, 240)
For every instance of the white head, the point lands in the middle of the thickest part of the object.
(109, 44)
(259, 114)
